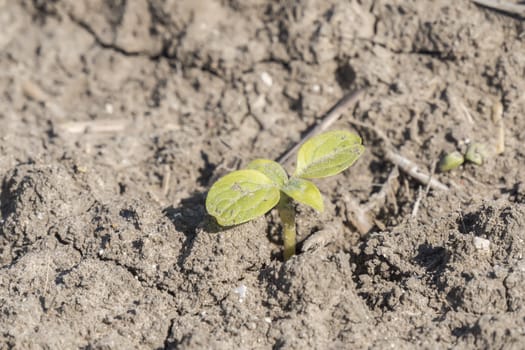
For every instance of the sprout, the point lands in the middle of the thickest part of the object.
(451, 161)
(243, 195)
(476, 153)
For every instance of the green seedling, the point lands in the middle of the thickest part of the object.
(476, 153)
(451, 161)
(243, 195)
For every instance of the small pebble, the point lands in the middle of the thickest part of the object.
(241, 290)
(481, 244)
(266, 78)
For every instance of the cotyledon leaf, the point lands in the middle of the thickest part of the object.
(241, 196)
(304, 192)
(476, 153)
(270, 168)
(328, 154)
(451, 161)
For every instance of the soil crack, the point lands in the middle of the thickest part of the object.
(109, 46)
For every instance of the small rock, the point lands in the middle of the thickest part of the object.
(481, 244)
(266, 78)
(241, 290)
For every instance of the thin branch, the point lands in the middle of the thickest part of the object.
(408, 166)
(415, 209)
(166, 180)
(421, 195)
(497, 119)
(381, 197)
(412, 169)
(94, 126)
(503, 6)
(358, 216)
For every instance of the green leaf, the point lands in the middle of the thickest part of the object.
(304, 192)
(241, 196)
(273, 170)
(451, 161)
(328, 154)
(476, 153)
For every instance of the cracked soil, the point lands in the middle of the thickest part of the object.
(117, 116)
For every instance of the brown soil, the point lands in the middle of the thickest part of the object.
(118, 115)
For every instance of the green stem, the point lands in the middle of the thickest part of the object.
(287, 214)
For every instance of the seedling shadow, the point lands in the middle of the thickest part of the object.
(187, 218)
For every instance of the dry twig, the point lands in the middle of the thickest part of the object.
(358, 216)
(319, 239)
(421, 194)
(388, 187)
(497, 119)
(412, 169)
(408, 166)
(94, 126)
(166, 180)
(503, 6)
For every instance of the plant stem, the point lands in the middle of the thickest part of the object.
(287, 214)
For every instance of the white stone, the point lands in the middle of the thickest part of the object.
(241, 290)
(481, 244)
(266, 78)
(109, 108)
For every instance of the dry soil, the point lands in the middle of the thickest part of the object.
(116, 117)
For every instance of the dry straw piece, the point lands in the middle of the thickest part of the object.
(497, 119)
